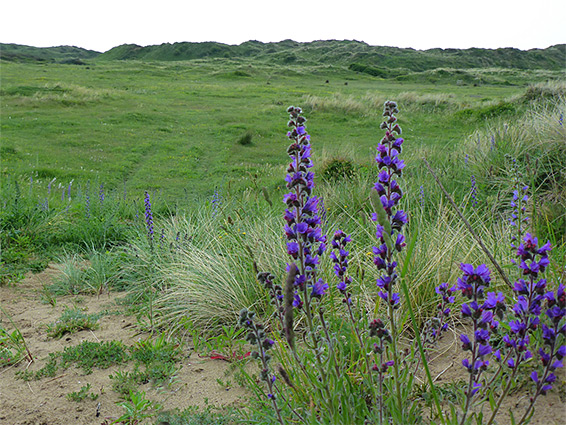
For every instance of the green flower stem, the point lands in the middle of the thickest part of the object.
(505, 392)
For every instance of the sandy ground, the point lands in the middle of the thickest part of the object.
(44, 402)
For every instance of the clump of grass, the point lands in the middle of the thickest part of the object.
(338, 103)
(535, 143)
(428, 101)
(102, 273)
(554, 91)
(93, 273)
(206, 271)
(245, 139)
(60, 93)
(73, 320)
(72, 278)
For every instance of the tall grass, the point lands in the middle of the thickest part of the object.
(536, 142)
(204, 269)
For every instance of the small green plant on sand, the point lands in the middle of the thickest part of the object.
(86, 355)
(73, 320)
(137, 409)
(13, 347)
(83, 393)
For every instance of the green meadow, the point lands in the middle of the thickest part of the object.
(175, 127)
(205, 139)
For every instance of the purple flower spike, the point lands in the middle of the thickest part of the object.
(148, 217)
(305, 241)
(390, 194)
(472, 284)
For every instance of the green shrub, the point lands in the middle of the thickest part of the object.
(486, 112)
(338, 169)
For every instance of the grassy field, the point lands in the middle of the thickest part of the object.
(204, 143)
(175, 127)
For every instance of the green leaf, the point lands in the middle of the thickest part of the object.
(511, 417)
(491, 400)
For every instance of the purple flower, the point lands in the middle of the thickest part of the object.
(481, 335)
(495, 301)
(476, 387)
(481, 273)
(486, 318)
(319, 288)
(297, 302)
(339, 257)
(466, 310)
(466, 343)
(306, 243)
(484, 350)
(293, 249)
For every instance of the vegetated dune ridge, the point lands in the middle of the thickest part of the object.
(330, 52)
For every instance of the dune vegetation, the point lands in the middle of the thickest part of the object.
(166, 182)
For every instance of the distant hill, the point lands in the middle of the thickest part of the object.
(62, 54)
(346, 53)
(358, 56)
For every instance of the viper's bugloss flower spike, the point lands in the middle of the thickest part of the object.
(473, 191)
(305, 241)
(216, 202)
(480, 311)
(339, 257)
(519, 219)
(148, 218)
(87, 206)
(390, 222)
(257, 336)
(437, 325)
(101, 193)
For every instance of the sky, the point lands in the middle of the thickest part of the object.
(102, 24)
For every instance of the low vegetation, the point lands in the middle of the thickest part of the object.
(165, 190)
